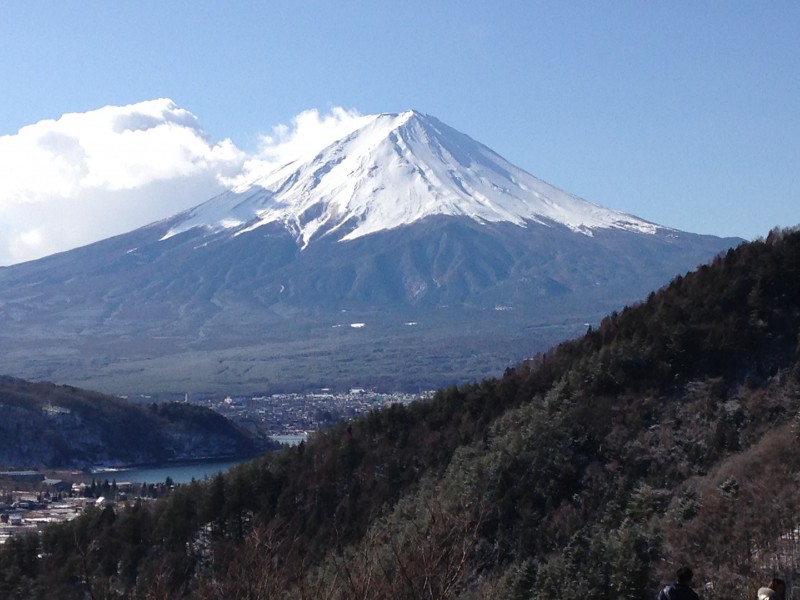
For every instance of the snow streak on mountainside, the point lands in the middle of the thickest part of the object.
(393, 170)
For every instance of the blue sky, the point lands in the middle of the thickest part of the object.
(683, 113)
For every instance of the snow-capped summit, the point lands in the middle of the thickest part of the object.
(312, 270)
(393, 170)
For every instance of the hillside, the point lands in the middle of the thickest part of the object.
(667, 435)
(49, 426)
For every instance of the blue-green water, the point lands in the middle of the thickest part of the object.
(179, 472)
(290, 438)
(183, 472)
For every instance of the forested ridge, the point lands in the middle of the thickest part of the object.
(60, 426)
(669, 435)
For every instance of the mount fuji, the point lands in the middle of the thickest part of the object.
(403, 255)
(396, 170)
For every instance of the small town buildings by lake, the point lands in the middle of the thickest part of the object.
(285, 416)
(29, 499)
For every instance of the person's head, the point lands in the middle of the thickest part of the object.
(778, 585)
(685, 575)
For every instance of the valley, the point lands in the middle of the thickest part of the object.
(642, 444)
(597, 376)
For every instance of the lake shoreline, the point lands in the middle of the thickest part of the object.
(100, 469)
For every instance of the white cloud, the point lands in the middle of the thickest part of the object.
(88, 176)
(309, 133)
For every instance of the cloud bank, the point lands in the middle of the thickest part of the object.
(87, 176)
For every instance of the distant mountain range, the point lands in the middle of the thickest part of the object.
(404, 255)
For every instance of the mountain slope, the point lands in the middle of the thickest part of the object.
(48, 426)
(394, 170)
(404, 225)
(594, 470)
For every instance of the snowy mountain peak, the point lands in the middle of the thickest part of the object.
(394, 170)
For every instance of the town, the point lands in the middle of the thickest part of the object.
(30, 500)
(289, 418)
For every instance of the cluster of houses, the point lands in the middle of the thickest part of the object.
(289, 415)
(29, 501)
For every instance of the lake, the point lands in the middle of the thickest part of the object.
(183, 472)
(290, 438)
(179, 472)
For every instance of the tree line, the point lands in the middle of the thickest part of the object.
(667, 435)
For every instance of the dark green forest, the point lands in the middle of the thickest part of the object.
(668, 435)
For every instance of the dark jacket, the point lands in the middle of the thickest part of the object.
(677, 591)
